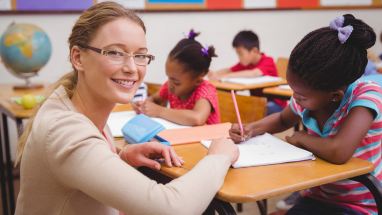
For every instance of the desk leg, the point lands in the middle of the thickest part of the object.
(9, 165)
(220, 207)
(4, 197)
(262, 205)
(374, 186)
(20, 127)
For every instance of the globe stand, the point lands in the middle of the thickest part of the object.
(27, 85)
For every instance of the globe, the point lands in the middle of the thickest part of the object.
(24, 50)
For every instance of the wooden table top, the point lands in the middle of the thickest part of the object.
(12, 109)
(256, 183)
(276, 91)
(232, 86)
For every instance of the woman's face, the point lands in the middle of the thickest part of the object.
(106, 77)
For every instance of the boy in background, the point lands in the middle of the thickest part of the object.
(252, 63)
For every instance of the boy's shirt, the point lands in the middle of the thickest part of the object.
(267, 67)
(265, 64)
(352, 194)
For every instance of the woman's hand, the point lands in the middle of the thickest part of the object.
(235, 132)
(147, 154)
(224, 147)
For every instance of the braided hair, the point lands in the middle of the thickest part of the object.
(326, 63)
(192, 55)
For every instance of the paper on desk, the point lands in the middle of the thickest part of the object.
(118, 119)
(265, 150)
(196, 133)
(284, 87)
(248, 81)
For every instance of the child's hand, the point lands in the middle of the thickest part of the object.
(235, 133)
(213, 76)
(224, 147)
(295, 138)
(150, 108)
(137, 106)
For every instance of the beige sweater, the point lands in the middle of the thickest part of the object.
(68, 168)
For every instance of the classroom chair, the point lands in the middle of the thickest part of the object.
(251, 108)
(282, 65)
(152, 88)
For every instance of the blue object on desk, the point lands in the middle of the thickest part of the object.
(142, 128)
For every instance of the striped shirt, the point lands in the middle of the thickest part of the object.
(361, 93)
(141, 93)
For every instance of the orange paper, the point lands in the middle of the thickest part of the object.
(196, 134)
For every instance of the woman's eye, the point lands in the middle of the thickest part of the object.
(115, 53)
(141, 57)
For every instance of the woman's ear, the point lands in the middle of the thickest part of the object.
(337, 95)
(75, 58)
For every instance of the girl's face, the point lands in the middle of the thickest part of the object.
(109, 77)
(181, 82)
(309, 98)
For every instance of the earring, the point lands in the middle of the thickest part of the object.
(334, 100)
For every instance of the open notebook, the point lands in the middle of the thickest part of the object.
(265, 150)
(248, 81)
(118, 119)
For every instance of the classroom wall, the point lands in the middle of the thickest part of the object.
(279, 32)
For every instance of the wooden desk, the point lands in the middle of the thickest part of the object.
(231, 86)
(258, 183)
(276, 92)
(8, 109)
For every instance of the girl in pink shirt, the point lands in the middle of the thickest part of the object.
(193, 100)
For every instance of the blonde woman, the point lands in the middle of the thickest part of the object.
(68, 162)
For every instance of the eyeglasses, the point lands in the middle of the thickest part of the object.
(119, 57)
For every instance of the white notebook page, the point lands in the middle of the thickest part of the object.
(265, 150)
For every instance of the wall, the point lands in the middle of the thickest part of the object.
(279, 32)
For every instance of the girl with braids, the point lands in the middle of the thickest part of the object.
(193, 100)
(68, 162)
(342, 114)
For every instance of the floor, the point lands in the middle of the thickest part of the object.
(248, 208)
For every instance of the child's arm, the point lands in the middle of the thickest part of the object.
(339, 148)
(250, 73)
(194, 117)
(273, 123)
(218, 74)
(155, 99)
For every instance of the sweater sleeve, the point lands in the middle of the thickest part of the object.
(79, 158)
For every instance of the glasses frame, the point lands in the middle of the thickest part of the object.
(106, 53)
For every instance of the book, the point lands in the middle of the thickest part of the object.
(117, 120)
(249, 81)
(267, 149)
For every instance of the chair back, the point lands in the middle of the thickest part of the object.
(251, 108)
(282, 66)
(152, 88)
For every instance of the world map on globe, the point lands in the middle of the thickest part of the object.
(24, 49)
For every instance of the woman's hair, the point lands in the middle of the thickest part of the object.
(333, 57)
(83, 31)
(192, 55)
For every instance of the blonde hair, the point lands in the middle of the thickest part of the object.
(83, 31)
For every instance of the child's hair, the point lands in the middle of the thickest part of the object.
(192, 55)
(247, 40)
(333, 57)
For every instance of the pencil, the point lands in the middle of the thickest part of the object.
(237, 112)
